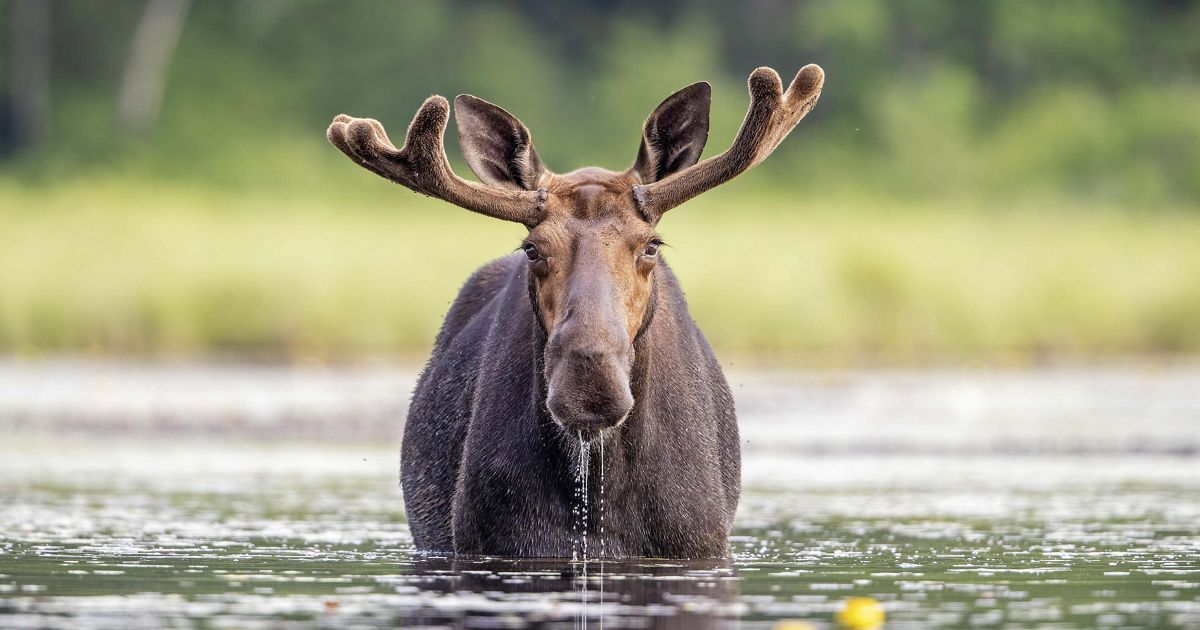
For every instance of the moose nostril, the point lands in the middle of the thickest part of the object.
(558, 406)
(612, 410)
(575, 412)
(589, 355)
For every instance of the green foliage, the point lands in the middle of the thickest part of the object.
(106, 267)
(979, 180)
(1088, 99)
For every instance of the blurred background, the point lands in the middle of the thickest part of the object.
(982, 183)
(959, 308)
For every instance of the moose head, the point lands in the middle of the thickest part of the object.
(592, 245)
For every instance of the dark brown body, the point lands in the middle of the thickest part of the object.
(485, 469)
(585, 335)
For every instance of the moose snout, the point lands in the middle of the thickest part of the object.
(588, 389)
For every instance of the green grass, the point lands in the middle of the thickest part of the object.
(109, 267)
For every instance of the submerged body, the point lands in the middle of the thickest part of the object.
(486, 470)
(582, 341)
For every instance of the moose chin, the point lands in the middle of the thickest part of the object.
(580, 340)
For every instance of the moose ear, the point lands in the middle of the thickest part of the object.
(674, 135)
(496, 145)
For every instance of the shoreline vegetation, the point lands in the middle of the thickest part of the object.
(985, 183)
(353, 271)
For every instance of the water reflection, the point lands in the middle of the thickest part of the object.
(489, 592)
(167, 533)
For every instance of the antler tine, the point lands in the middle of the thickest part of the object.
(772, 115)
(421, 164)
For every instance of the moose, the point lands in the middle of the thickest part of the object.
(580, 340)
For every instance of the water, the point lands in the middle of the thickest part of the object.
(603, 546)
(585, 516)
(582, 509)
(958, 514)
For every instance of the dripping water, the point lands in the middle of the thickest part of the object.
(585, 516)
(576, 501)
(582, 517)
(600, 512)
(581, 523)
(600, 517)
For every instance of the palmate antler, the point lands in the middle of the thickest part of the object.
(772, 115)
(421, 164)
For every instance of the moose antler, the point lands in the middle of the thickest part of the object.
(772, 115)
(421, 164)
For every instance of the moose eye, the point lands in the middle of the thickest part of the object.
(652, 248)
(531, 251)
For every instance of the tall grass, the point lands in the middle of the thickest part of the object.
(104, 266)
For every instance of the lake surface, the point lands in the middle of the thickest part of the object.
(150, 496)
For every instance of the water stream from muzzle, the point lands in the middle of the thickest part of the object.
(600, 517)
(582, 524)
(600, 514)
(583, 516)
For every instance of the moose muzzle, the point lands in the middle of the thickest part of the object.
(588, 361)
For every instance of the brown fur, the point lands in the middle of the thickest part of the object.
(772, 115)
(594, 204)
(584, 334)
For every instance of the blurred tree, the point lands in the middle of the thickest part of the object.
(25, 113)
(1082, 97)
(154, 41)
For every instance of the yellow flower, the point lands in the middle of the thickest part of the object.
(860, 613)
